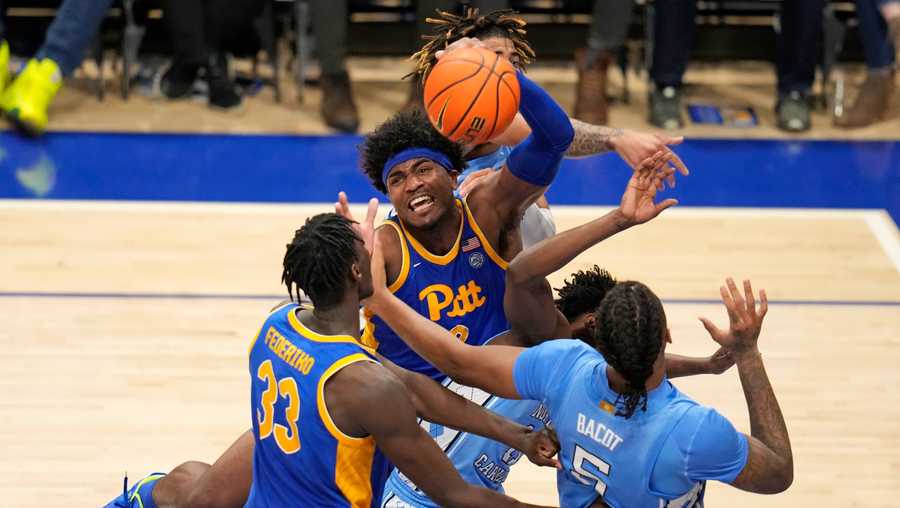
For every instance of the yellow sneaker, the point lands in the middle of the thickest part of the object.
(27, 99)
(4, 64)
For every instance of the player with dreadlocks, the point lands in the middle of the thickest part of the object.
(627, 436)
(359, 410)
(504, 32)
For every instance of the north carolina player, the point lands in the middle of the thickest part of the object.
(628, 436)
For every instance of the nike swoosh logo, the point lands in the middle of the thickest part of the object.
(440, 118)
(417, 264)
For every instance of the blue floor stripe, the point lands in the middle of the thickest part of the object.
(237, 296)
(257, 168)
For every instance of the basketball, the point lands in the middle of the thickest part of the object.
(471, 95)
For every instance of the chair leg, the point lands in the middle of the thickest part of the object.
(131, 44)
(301, 14)
(834, 33)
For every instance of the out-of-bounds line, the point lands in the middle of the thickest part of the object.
(237, 296)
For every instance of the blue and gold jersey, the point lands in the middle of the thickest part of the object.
(301, 458)
(461, 290)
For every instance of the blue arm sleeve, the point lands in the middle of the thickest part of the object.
(717, 451)
(536, 160)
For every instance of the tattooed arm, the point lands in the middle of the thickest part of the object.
(770, 463)
(592, 139)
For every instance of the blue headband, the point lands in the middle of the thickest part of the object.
(413, 153)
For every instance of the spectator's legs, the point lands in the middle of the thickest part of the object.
(609, 27)
(874, 97)
(425, 9)
(26, 101)
(329, 22)
(187, 32)
(225, 19)
(72, 30)
(801, 30)
(674, 31)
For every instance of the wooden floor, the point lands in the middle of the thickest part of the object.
(126, 380)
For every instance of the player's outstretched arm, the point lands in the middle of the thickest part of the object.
(532, 165)
(378, 401)
(770, 463)
(437, 404)
(528, 301)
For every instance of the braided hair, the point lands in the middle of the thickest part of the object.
(630, 325)
(450, 27)
(584, 292)
(319, 258)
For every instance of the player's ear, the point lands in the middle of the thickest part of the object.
(667, 336)
(355, 272)
(454, 177)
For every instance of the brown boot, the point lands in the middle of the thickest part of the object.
(416, 98)
(338, 109)
(873, 104)
(590, 99)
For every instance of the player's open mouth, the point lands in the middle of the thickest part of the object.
(421, 203)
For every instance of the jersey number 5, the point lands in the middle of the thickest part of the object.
(287, 439)
(581, 458)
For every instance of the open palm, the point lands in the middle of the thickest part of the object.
(638, 202)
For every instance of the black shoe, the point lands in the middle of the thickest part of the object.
(178, 81)
(223, 93)
(338, 109)
(792, 111)
(665, 107)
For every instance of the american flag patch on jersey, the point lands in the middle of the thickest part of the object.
(471, 244)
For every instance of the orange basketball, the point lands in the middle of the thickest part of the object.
(472, 95)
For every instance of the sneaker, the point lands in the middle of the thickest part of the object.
(665, 108)
(28, 98)
(137, 495)
(338, 109)
(178, 80)
(792, 111)
(4, 64)
(873, 103)
(223, 93)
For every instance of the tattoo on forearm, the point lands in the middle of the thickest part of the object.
(766, 421)
(591, 139)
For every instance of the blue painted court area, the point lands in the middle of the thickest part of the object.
(251, 168)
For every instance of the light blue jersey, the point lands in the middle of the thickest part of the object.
(658, 458)
(494, 160)
(480, 461)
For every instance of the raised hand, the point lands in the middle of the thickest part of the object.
(745, 320)
(366, 229)
(638, 202)
(462, 43)
(636, 147)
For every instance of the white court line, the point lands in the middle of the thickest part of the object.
(885, 231)
(306, 208)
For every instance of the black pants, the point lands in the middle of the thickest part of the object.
(329, 24)
(795, 63)
(201, 27)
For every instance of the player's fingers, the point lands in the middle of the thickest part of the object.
(669, 203)
(372, 211)
(763, 303)
(710, 327)
(739, 303)
(670, 140)
(679, 164)
(748, 296)
(729, 303)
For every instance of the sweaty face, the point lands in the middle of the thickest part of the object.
(421, 191)
(503, 47)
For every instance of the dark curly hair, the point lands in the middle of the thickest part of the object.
(630, 325)
(450, 27)
(584, 292)
(318, 259)
(407, 129)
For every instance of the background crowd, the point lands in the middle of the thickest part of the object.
(203, 33)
